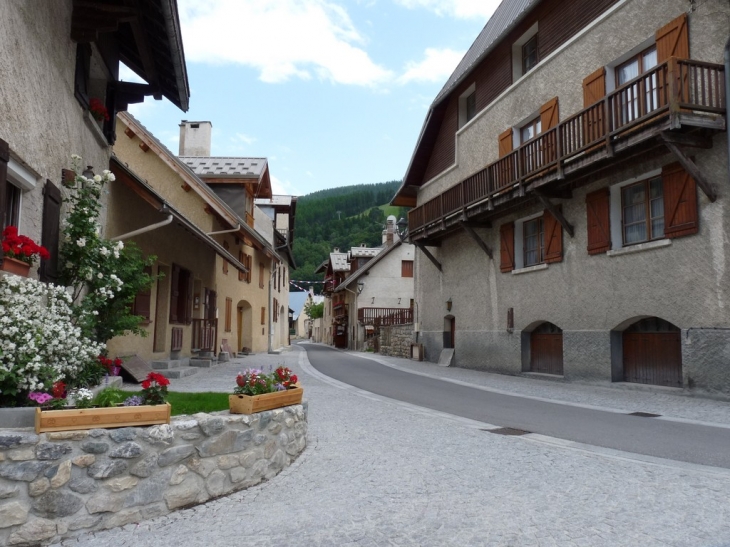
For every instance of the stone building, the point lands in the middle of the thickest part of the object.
(569, 191)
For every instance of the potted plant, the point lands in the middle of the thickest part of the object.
(256, 391)
(149, 408)
(98, 110)
(20, 252)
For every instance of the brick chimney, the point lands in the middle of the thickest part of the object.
(195, 138)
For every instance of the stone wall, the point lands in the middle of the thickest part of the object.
(57, 485)
(396, 340)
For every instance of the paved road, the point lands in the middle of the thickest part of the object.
(673, 440)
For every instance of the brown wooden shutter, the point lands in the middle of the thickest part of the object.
(229, 308)
(50, 231)
(505, 143)
(598, 212)
(174, 293)
(680, 202)
(549, 116)
(189, 296)
(4, 159)
(143, 301)
(263, 315)
(672, 40)
(507, 247)
(249, 265)
(594, 87)
(553, 238)
(406, 269)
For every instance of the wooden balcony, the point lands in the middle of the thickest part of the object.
(678, 101)
(381, 317)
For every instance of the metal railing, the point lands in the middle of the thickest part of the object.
(673, 87)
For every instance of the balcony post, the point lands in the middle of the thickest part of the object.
(673, 83)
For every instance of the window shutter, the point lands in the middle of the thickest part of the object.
(549, 116)
(505, 143)
(553, 238)
(242, 260)
(249, 265)
(672, 40)
(4, 158)
(189, 297)
(598, 212)
(229, 307)
(406, 268)
(263, 315)
(174, 293)
(143, 301)
(680, 202)
(594, 87)
(50, 231)
(507, 247)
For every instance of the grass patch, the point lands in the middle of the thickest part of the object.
(190, 403)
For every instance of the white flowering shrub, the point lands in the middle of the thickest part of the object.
(39, 341)
(105, 275)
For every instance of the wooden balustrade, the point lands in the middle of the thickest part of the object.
(385, 316)
(205, 332)
(666, 90)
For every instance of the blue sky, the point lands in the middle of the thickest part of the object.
(333, 93)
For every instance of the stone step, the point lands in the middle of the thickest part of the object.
(203, 363)
(167, 364)
(206, 355)
(180, 372)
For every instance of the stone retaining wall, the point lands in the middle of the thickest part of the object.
(396, 340)
(57, 485)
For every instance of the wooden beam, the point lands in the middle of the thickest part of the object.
(691, 167)
(567, 226)
(144, 147)
(129, 133)
(686, 139)
(479, 241)
(429, 256)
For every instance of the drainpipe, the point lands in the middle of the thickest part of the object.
(146, 229)
(727, 99)
(238, 227)
(271, 304)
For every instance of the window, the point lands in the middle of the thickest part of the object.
(406, 269)
(640, 97)
(261, 275)
(229, 307)
(276, 310)
(529, 55)
(642, 211)
(263, 315)
(12, 205)
(181, 295)
(530, 130)
(533, 242)
(467, 105)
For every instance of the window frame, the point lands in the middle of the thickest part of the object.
(635, 57)
(646, 183)
(406, 268)
(540, 242)
(13, 205)
(469, 95)
(533, 40)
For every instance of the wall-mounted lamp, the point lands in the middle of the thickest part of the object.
(360, 286)
(448, 304)
(402, 227)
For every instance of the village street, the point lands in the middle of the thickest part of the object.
(381, 472)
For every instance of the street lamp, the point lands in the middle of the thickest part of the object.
(360, 286)
(402, 226)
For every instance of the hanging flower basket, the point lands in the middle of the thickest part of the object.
(92, 418)
(15, 266)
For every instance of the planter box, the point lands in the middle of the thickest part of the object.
(249, 404)
(92, 418)
(14, 266)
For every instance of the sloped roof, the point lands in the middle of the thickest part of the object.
(365, 252)
(222, 166)
(339, 262)
(367, 267)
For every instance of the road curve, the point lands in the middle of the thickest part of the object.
(699, 444)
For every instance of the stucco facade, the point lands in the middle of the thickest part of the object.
(593, 299)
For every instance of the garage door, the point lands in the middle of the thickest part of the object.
(546, 349)
(653, 353)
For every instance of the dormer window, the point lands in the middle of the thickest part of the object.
(529, 55)
(525, 54)
(467, 105)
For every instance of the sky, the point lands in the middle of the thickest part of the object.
(332, 92)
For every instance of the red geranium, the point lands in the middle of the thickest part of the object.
(22, 247)
(154, 389)
(98, 110)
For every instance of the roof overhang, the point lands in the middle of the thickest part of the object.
(127, 177)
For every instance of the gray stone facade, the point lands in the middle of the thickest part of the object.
(396, 340)
(57, 485)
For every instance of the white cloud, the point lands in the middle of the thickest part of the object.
(280, 187)
(437, 65)
(283, 39)
(243, 138)
(460, 9)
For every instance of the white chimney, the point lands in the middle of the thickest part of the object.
(195, 138)
(388, 233)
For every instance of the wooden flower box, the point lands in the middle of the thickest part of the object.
(249, 404)
(15, 266)
(92, 418)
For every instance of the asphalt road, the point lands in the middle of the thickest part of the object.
(679, 441)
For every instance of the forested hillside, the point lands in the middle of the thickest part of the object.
(341, 217)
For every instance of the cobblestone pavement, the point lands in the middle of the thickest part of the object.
(381, 473)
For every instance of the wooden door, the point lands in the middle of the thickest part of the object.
(449, 332)
(546, 350)
(653, 358)
(340, 336)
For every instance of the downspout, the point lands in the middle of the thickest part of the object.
(146, 229)
(271, 304)
(727, 100)
(238, 227)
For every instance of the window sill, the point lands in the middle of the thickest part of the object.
(95, 129)
(649, 245)
(529, 269)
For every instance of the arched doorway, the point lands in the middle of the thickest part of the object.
(449, 332)
(244, 325)
(652, 353)
(546, 349)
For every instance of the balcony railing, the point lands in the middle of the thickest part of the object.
(205, 332)
(674, 93)
(385, 316)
